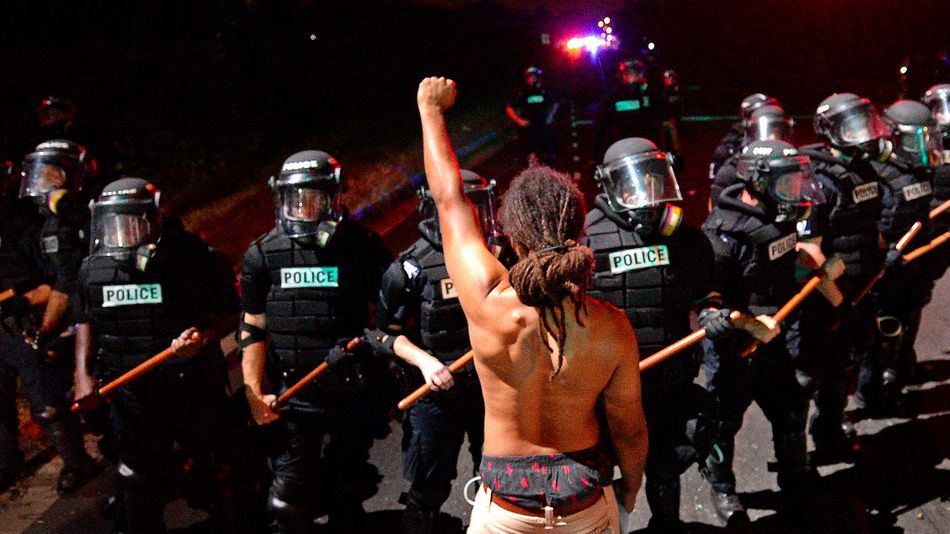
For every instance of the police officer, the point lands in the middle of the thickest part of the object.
(418, 300)
(754, 238)
(654, 268)
(44, 381)
(828, 341)
(937, 98)
(767, 123)
(635, 108)
(59, 119)
(148, 285)
(735, 139)
(899, 297)
(307, 284)
(533, 111)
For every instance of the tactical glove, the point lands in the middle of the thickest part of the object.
(716, 323)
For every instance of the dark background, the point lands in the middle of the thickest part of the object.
(213, 93)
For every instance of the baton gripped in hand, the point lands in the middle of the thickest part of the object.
(901, 245)
(787, 309)
(680, 345)
(293, 390)
(424, 389)
(93, 399)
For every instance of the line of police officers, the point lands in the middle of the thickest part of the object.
(126, 280)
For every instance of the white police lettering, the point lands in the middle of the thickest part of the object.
(50, 244)
(782, 246)
(131, 294)
(119, 192)
(53, 144)
(762, 150)
(864, 192)
(296, 277)
(297, 165)
(638, 258)
(448, 289)
(915, 191)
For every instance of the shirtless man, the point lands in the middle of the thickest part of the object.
(545, 353)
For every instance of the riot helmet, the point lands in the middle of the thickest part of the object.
(775, 173)
(306, 196)
(752, 103)
(638, 180)
(480, 192)
(532, 77)
(126, 221)
(633, 72)
(937, 98)
(57, 115)
(852, 125)
(768, 123)
(57, 165)
(914, 132)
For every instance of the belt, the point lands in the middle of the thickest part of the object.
(566, 510)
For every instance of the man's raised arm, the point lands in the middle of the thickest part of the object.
(473, 269)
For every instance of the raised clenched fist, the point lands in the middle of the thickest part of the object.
(436, 94)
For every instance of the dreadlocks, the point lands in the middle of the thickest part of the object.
(543, 214)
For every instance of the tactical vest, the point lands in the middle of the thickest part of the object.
(15, 270)
(135, 315)
(644, 280)
(64, 236)
(768, 269)
(442, 324)
(852, 221)
(313, 299)
(907, 198)
(942, 182)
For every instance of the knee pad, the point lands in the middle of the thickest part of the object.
(284, 502)
(45, 415)
(129, 479)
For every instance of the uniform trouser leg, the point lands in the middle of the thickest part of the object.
(729, 380)
(10, 455)
(352, 430)
(296, 440)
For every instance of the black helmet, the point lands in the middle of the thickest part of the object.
(480, 192)
(852, 125)
(632, 71)
(768, 122)
(937, 98)
(56, 165)
(914, 132)
(57, 112)
(775, 172)
(637, 178)
(126, 221)
(752, 103)
(306, 195)
(532, 75)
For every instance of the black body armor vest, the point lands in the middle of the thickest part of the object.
(907, 199)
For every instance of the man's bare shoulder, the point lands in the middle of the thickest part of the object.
(606, 315)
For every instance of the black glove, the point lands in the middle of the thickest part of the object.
(894, 258)
(381, 342)
(16, 306)
(716, 323)
(339, 352)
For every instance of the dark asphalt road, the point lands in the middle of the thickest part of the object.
(900, 483)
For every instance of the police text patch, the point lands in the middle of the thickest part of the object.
(448, 289)
(638, 258)
(51, 244)
(864, 192)
(295, 277)
(131, 294)
(915, 191)
(627, 105)
(535, 99)
(782, 246)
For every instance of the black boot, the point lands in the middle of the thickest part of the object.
(78, 466)
(10, 471)
(729, 508)
(664, 500)
(416, 520)
(722, 481)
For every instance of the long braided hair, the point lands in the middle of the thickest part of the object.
(543, 214)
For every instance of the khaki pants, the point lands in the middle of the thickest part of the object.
(600, 518)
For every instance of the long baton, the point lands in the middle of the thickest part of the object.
(679, 346)
(788, 308)
(424, 390)
(944, 206)
(293, 390)
(918, 252)
(134, 373)
(910, 235)
(7, 295)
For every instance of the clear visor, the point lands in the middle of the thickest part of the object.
(41, 178)
(796, 184)
(113, 233)
(940, 108)
(482, 201)
(924, 142)
(641, 181)
(859, 125)
(770, 129)
(304, 204)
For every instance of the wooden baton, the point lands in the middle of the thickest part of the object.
(901, 244)
(293, 390)
(679, 346)
(424, 389)
(918, 252)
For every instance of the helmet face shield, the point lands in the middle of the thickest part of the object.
(922, 146)
(300, 204)
(119, 229)
(39, 178)
(482, 201)
(640, 181)
(857, 126)
(796, 184)
(769, 128)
